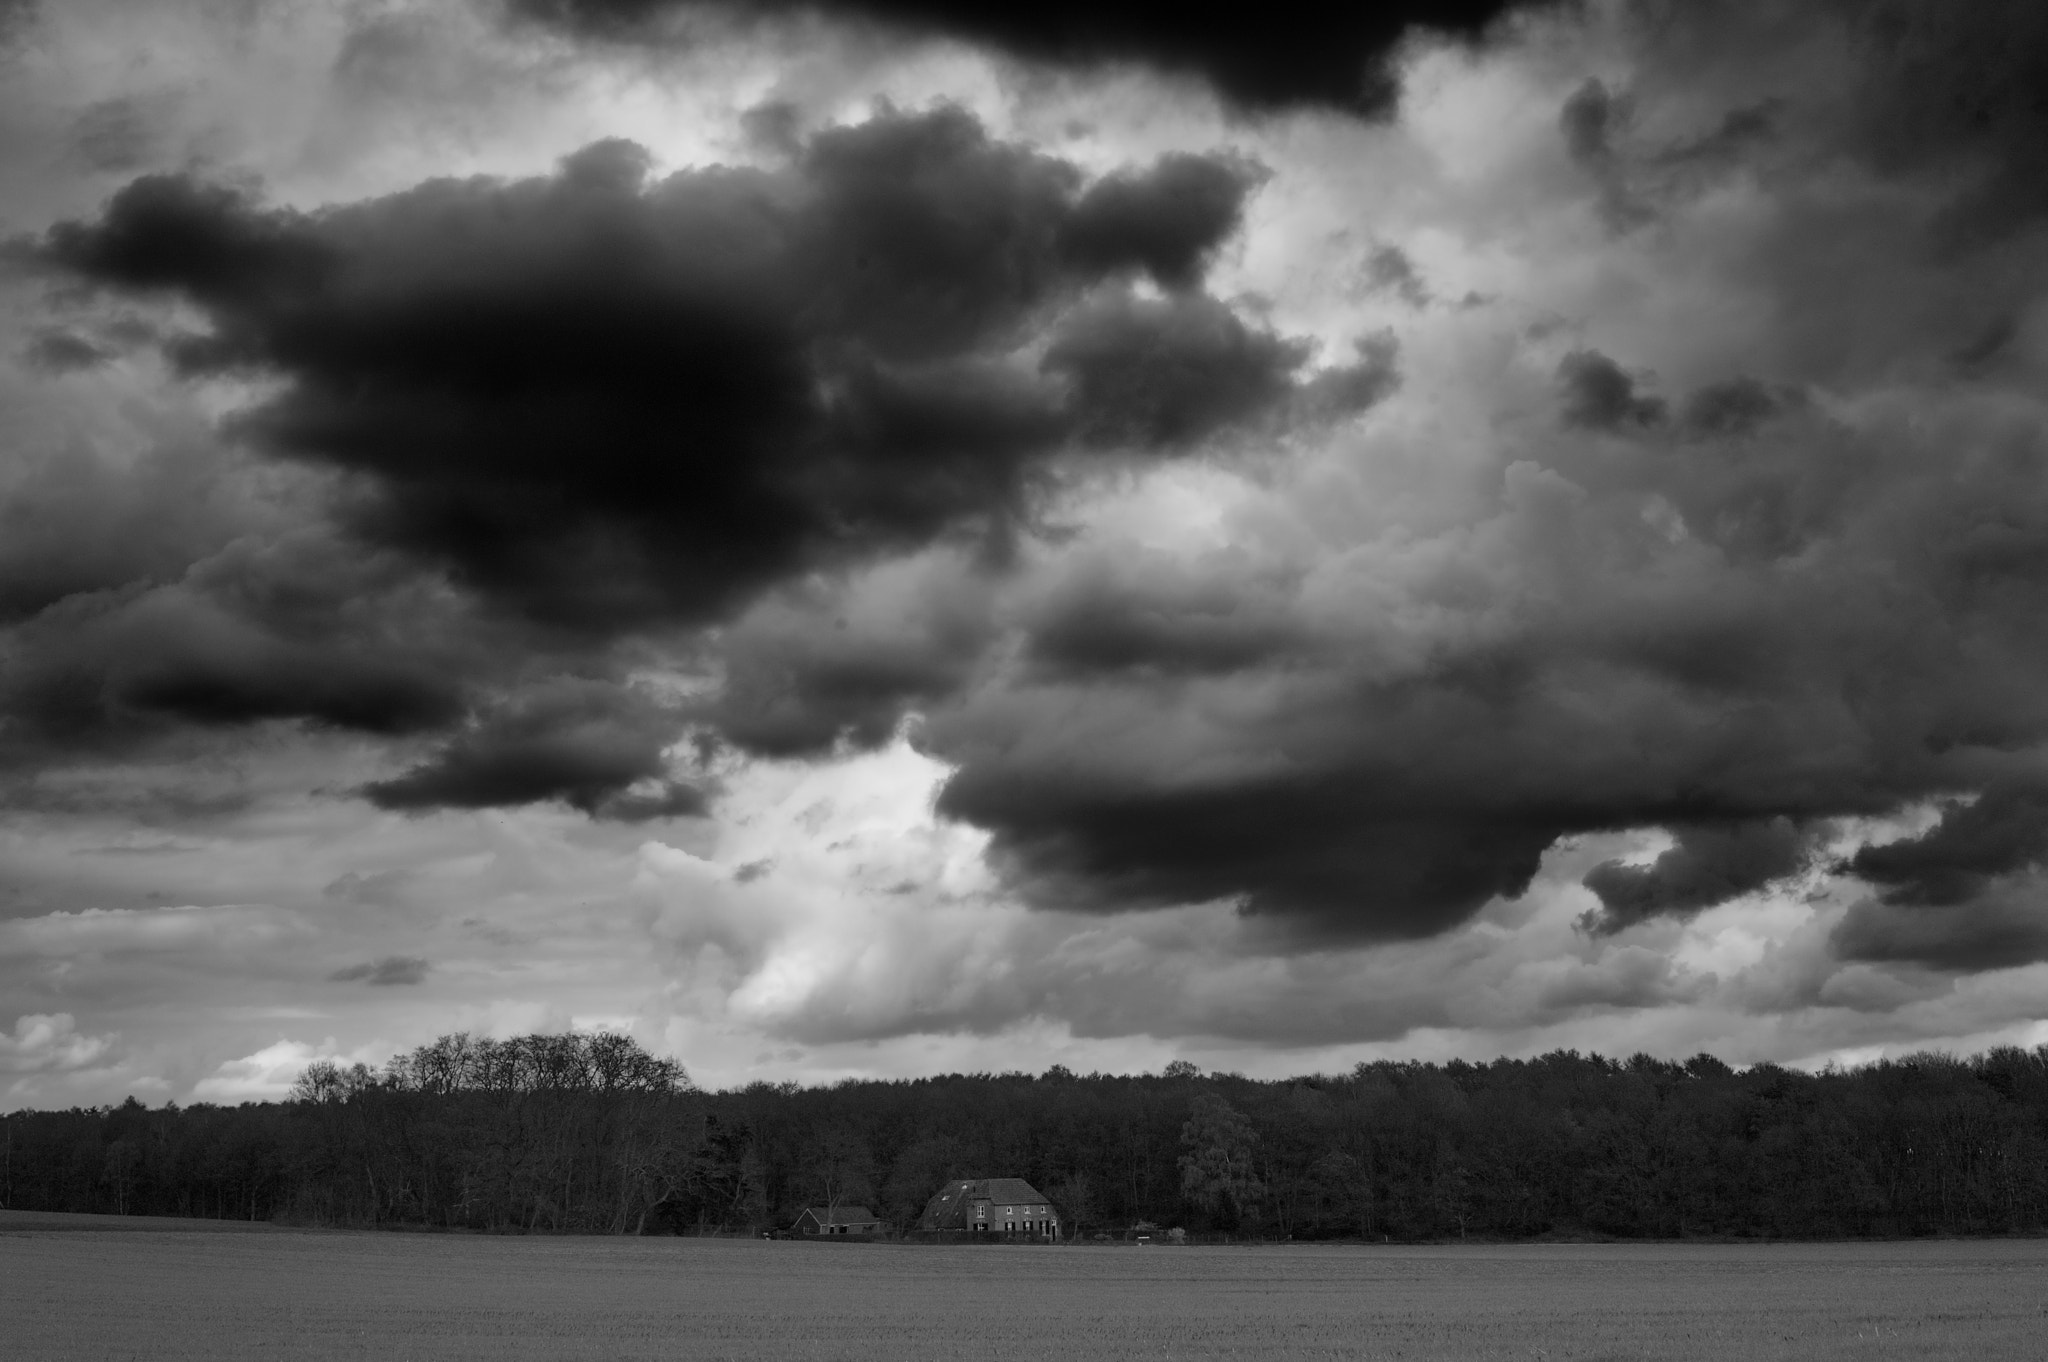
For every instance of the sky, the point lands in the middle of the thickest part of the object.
(896, 537)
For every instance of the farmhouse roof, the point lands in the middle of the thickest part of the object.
(948, 1208)
(1010, 1190)
(840, 1215)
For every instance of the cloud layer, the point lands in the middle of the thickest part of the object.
(597, 406)
(1293, 54)
(604, 403)
(989, 537)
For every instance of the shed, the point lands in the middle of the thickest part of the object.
(836, 1220)
(1003, 1208)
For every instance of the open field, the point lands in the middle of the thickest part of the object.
(147, 1293)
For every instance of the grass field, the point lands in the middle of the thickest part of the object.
(122, 1292)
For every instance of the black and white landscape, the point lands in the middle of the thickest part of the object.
(897, 538)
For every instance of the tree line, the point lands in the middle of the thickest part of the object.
(590, 1133)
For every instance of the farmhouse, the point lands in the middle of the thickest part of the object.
(1000, 1207)
(836, 1220)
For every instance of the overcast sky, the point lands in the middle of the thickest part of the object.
(857, 540)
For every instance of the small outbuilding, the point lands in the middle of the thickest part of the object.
(836, 1220)
(1001, 1208)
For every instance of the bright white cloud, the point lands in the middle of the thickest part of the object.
(50, 1043)
(268, 1074)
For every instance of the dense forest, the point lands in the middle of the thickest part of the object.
(592, 1134)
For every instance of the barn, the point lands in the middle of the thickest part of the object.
(836, 1220)
(1001, 1208)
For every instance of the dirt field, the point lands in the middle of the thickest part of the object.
(152, 1293)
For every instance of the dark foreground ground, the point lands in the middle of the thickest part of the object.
(198, 1289)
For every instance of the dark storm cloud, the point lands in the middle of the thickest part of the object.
(1705, 866)
(604, 403)
(1640, 176)
(1739, 131)
(599, 404)
(170, 232)
(1999, 931)
(1735, 406)
(1588, 120)
(60, 352)
(389, 971)
(75, 523)
(1543, 601)
(1595, 118)
(2003, 831)
(798, 682)
(1197, 757)
(1156, 375)
(373, 697)
(1166, 221)
(1599, 394)
(1322, 849)
(1736, 626)
(1345, 390)
(1096, 628)
(1957, 89)
(1290, 53)
(301, 629)
(595, 747)
(1390, 268)
(1942, 98)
